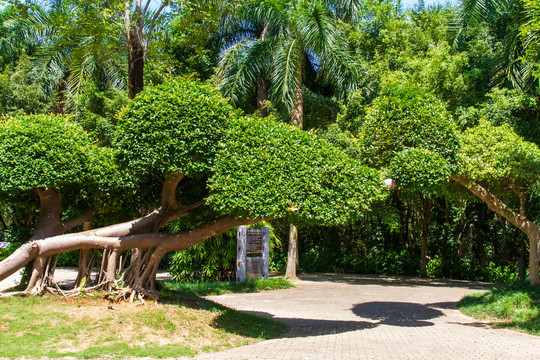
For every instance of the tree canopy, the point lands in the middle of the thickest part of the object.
(105, 128)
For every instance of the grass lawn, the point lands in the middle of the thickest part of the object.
(515, 306)
(224, 287)
(92, 326)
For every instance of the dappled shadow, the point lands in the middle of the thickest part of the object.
(397, 313)
(384, 280)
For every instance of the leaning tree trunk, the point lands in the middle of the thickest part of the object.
(40, 272)
(519, 220)
(141, 236)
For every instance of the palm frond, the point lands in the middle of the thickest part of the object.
(287, 71)
(242, 65)
(349, 11)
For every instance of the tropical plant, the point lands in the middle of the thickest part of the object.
(285, 43)
(213, 168)
(280, 44)
(409, 132)
(504, 20)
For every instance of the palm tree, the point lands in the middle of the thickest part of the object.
(81, 40)
(276, 43)
(503, 19)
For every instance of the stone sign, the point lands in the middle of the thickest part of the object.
(253, 253)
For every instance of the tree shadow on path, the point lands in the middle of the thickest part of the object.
(398, 313)
(316, 327)
(381, 313)
(384, 280)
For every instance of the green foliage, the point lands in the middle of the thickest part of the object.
(420, 170)
(283, 58)
(352, 114)
(20, 93)
(513, 305)
(46, 151)
(503, 106)
(319, 110)
(211, 260)
(343, 140)
(499, 157)
(96, 109)
(446, 74)
(376, 261)
(207, 288)
(269, 169)
(173, 127)
(406, 116)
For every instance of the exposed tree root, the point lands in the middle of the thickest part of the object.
(113, 243)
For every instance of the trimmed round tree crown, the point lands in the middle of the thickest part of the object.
(43, 151)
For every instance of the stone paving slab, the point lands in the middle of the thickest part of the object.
(371, 317)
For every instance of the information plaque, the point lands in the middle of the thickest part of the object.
(253, 253)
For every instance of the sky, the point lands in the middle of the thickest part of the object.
(408, 4)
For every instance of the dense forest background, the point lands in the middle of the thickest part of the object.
(443, 66)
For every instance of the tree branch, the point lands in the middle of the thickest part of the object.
(78, 220)
(152, 25)
(168, 192)
(493, 202)
(146, 6)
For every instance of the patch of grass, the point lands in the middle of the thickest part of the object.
(91, 326)
(224, 287)
(515, 305)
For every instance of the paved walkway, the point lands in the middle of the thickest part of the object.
(370, 317)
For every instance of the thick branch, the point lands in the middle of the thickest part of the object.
(171, 242)
(176, 214)
(168, 192)
(519, 220)
(22, 256)
(78, 220)
(50, 214)
(494, 203)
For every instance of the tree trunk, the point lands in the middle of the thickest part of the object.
(427, 205)
(135, 65)
(43, 249)
(84, 256)
(297, 117)
(534, 238)
(297, 120)
(135, 45)
(519, 220)
(292, 254)
(261, 96)
(50, 214)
